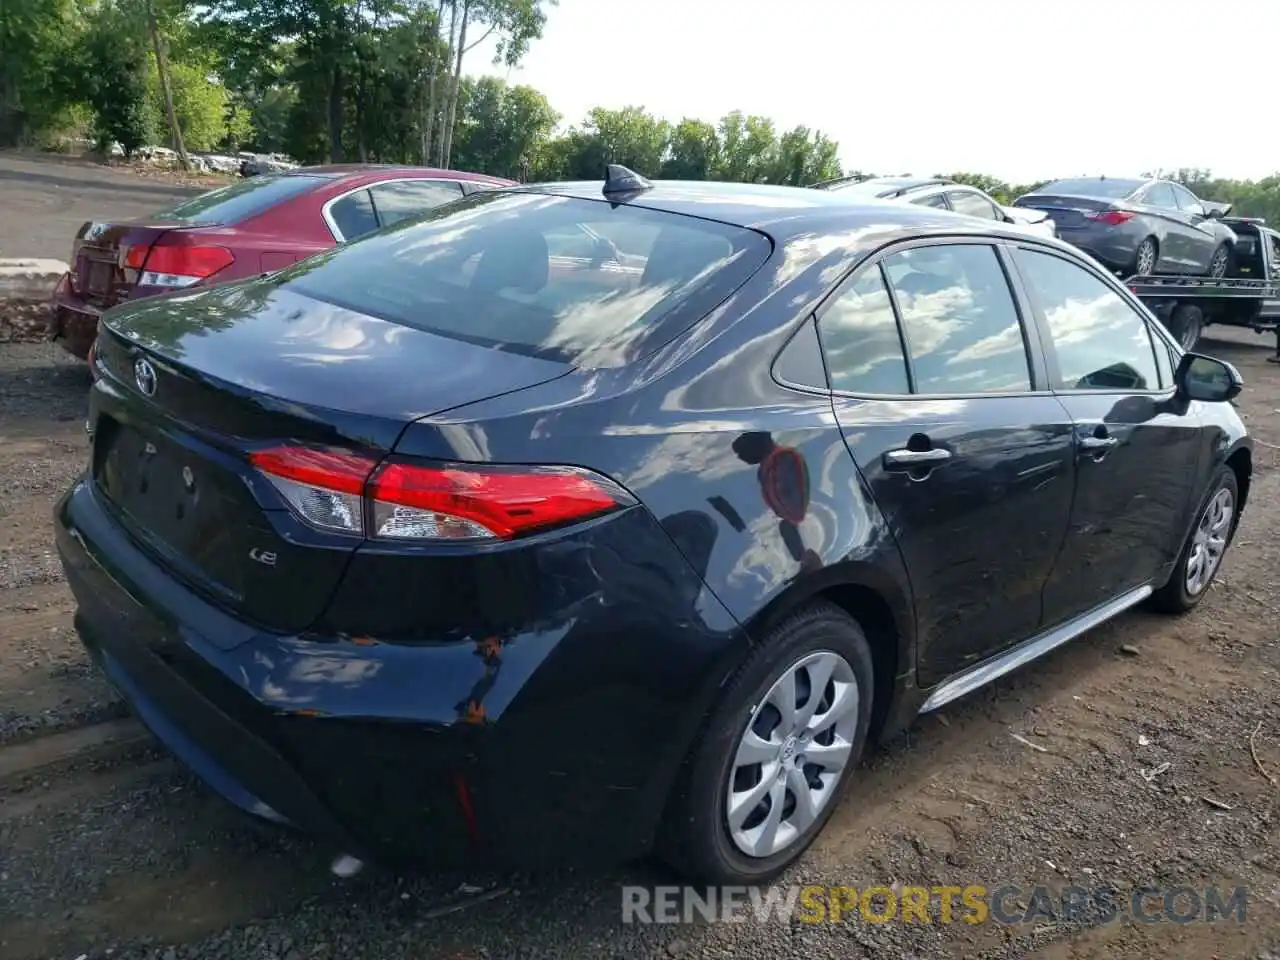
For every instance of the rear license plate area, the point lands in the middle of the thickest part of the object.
(101, 277)
(168, 498)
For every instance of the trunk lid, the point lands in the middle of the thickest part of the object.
(99, 255)
(192, 381)
(1067, 212)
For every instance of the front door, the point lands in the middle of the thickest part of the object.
(941, 404)
(1137, 449)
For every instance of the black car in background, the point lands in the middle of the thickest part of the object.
(1139, 227)
(439, 548)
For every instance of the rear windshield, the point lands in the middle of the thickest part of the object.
(579, 281)
(1091, 187)
(241, 200)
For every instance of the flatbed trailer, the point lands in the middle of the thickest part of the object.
(1186, 305)
(1249, 296)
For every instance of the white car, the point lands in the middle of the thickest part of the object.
(945, 195)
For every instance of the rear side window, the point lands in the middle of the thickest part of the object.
(241, 200)
(482, 270)
(961, 324)
(401, 200)
(861, 341)
(353, 215)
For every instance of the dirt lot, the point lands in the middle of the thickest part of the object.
(1134, 769)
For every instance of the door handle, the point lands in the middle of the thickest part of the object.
(1097, 443)
(915, 458)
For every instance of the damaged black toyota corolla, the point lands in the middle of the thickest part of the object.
(579, 521)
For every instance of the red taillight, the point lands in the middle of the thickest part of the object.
(177, 265)
(136, 256)
(1112, 218)
(409, 501)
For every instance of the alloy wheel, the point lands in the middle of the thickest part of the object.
(1209, 543)
(1146, 258)
(1218, 265)
(793, 754)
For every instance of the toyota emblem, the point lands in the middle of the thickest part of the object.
(144, 374)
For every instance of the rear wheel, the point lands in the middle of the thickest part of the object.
(1187, 324)
(1220, 262)
(776, 753)
(1145, 257)
(1202, 555)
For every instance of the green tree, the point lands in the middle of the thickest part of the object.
(38, 39)
(749, 148)
(114, 77)
(503, 129)
(694, 151)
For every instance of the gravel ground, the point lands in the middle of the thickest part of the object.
(1131, 766)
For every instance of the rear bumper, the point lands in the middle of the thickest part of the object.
(74, 321)
(1113, 247)
(584, 733)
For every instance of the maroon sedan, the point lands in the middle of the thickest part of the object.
(254, 226)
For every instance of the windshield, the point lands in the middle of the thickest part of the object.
(579, 281)
(1091, 187)
(241, 200)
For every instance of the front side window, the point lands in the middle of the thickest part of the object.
(962, 326)
(1187, 201)
(481, 270)
(973, 205)
(1101, 342)
(411, 198)
(936, 200)
(861, 341)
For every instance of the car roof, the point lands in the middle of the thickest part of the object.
(787, 214)
(374, 170)
(1132, 182)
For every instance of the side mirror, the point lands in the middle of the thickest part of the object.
(1207, 378)
(1212, 213)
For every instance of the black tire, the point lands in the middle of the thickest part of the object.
(1220, 262)
(1186, 323)
(1174, 597)
(696, 838)
(1140, 256)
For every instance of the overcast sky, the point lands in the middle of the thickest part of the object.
(1021, 89)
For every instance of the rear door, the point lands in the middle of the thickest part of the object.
(1137, 449)
(941, 394)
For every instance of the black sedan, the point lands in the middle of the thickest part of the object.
(1139, 227)
(439, 545)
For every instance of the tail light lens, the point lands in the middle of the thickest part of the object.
(453, 502)
(177, 265)
(1112, 218)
